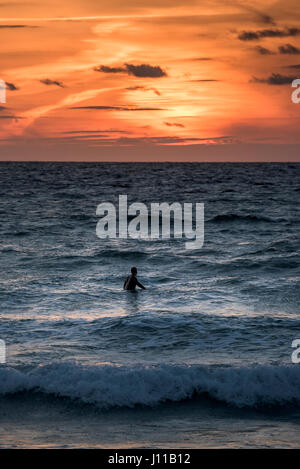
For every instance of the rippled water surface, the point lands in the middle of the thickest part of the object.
(217, 321)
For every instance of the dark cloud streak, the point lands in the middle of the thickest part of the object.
(264, 33)
(156, 140)
(117, 108)
(275, 79)
(11, 86)
(106, 69)
(288, 49)
(11, 117)
(294, 67)
(140, 71)
(47, 81)
(143, 88)
(264, 51)
(203, 80)
(94, 132)
(263, 17)
(16, 26)
(175, 124)
(145, 70)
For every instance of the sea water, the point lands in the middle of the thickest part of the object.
(202, 358)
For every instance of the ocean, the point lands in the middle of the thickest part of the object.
(200, 359)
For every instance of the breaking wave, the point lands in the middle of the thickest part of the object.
(124, 386)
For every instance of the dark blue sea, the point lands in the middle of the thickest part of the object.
(201, 358)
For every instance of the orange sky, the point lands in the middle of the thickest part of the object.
(139, 79)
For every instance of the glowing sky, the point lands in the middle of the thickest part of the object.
(98, 79)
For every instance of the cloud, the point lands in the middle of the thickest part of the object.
(194, 59)
(16, 26)
(48, 82)
(145, 70)
(203, 80)
(263, 17)
(143, 88)
(118, 108)
(95, 132)
(106, 69)
(248, 36)
(288, 49)
(200, 59)
(263, 33)
(155, 140)
(275, 79)
(142, 70)
(11, 117)
(166, 140)
(175, 124)
(295, 67)
(134, 88)
(267, 19)
(11, 86)
(264, 51)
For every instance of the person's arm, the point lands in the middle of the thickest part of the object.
(125, 282)
(140, 285)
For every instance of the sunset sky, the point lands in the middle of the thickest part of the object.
(141, 80)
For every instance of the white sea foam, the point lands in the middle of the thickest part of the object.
(107, 386)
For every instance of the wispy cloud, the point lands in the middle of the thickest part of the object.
(285, 49)
(154, 140)
(107, 69)
(295, 67)
(200, 59)
(16, 26)
(11, 86)
(47, 81)
(288, 49)
(11, 117)
(173, 124)
(264, 51)
(262, 16)
(118, 108)
(275, 79)
(95, 132)
(204, 80)
(143, 88)
(35, 113)
(264, 33)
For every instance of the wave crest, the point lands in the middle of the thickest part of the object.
(231, 217)
(126, 386)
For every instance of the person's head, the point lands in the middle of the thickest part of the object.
(133, 270)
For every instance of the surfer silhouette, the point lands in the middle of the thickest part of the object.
(131, 281)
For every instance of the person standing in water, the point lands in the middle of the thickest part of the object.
(131, 281)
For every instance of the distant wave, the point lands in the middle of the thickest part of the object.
(123, 386)
(246, 218)
(122, 253)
